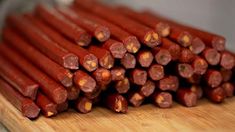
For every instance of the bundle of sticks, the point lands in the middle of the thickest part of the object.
(91, 54)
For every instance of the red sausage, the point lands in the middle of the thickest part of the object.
(197, 45)
(53, 90)
(156, 72)
(63, 25)
(227, 60)
(23, 84)
(172, 47)
(213, 78)
(228, 89)
(116, 103)
(118, 73)
(162, 99)
(199, 65)
(216, 95)
(130, 41)
(116, 48)
(187, 97)
(105, 58)
(128, 61)
(145, 34)
(122, 86)
(94, 94)
(43, 42)
(211, 56)
(102, 76)
(84, 81)
(73, 92)
(86, 59)
(168, 83)
(177, 34)
(145, 58)
(48, 108)
(62, 107)
(57, 72)
(185, 70)
(25, 105)
(210, 39)
(100, 32)
(226, 74)
(186, 56)
(135, 99)
(162, 56)
(198, 90)
(138, 76)
(147, 89)
(162, 28)
(83, 105)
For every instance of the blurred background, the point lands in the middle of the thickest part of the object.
(212, 15)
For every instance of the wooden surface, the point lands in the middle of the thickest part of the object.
(206, 116)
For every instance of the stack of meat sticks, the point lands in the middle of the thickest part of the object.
(92, 54)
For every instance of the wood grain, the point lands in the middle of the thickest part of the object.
(205, 117)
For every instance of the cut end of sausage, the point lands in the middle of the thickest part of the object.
(148, 88)
(132, 44)
(197, 45)
(164, 100)
(128, 61)
(186, 56)
(190, 99)
(139, 77)
(71, 62)
(117, 50)
(200, 66)
(32, 91)
(73, 93)
(185, 39)
(156, 72)
(84, 105)
(175, 52)
(214, 79)
(163, 29)
(170, 83)
(118, 73)
(163, 57)
(94, 94)
(120, 105)
(59, 95)
(87, 84)
(30, 109)
(67, 80)
(152, 39)
(102, 33)
(102, 76)
(145, 58)
(84, 40)
(136, 99)
(227, 60)
(216, 95)
(90, 62)
(122, 86)
(50, 110)
(185, 70)
(107, 61)
(212, 56)
(218, 43)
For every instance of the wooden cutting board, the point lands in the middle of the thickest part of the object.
(206, 116)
